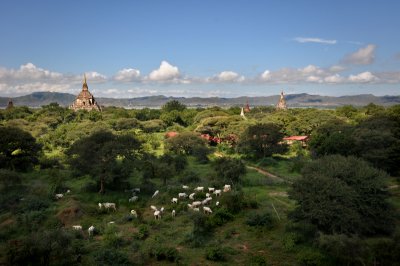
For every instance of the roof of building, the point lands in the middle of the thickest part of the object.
(299, 138)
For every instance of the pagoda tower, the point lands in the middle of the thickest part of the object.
(247, 107)
(10, 104)
(282, 103)
(85, 100)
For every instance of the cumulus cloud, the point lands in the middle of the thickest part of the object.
(314, 40)
(266, 75)
(166, 72)
(95, 77)
(333, 79)
(363, 56)
(127, 74)
(228, 76)
(29, 72)
(363, 77)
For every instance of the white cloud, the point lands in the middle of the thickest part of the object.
(228, 76)
(313, 79)
(363, 77)
(363, 56)
(336, 69)
(266, 75)
(314, 40)
(95, 77)
(333, 79)
(29, 72)
(127, 74)
(166, 72)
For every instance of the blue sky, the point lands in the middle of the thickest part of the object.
(200, 48)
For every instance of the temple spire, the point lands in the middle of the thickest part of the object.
(282, 103)
(84, 85)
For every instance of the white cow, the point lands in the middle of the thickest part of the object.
(157, 215)
(191, 196)
(107, 206)
(91, 230)
(217, 192)
(173, 213)
(77, 227)
(196, 203)
(217, 203)
(207, 210)
(174, 200)
(211, 189)
(59, 196)
(227, 188)
(133, 199)
(155, 193)
(134, 213)
(196, 209)
(182, 195)
(185, 187)
(198, 189)
(162, 209)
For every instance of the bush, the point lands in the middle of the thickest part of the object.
(257, 260)
(112, 237)
(221, 216)
(143, 232)
(215, 254)
(310, 257)
(188, 177)
(90, 186)
(234, 201)
(111, 257)
(260, 219)
(164, 253)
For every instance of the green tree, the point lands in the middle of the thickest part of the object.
(343, 195)
(185, 143)
(334, 137)
(261, 140)
(173, 105)
(229, 169)
(18, 149)
(106, 157)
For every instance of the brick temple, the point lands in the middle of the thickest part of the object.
(85, 100)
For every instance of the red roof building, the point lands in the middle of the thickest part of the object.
(290, 140)
(171, 134)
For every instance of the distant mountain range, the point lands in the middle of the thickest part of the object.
(38, 99)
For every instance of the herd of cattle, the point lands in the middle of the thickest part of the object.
(194, 205)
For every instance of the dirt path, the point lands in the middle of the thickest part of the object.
(266, 173)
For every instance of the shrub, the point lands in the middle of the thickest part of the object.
(234, 201)
(260, 219)
(90, 186)
(164, 253)
(310, 257)
(221, 216)
(112, 238)
(143, 232)
(215, 253)
(257, 260)
(188, 177)
(111, 257)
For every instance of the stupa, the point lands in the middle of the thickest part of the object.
(85, 100)
(282, 103)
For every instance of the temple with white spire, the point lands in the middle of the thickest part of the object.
(85, 100)
(282, 103)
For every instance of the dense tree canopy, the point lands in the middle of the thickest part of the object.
(261, 140)
(106, 157)
(343, 195)
(18, 149)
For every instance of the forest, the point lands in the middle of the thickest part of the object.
(331, 200)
